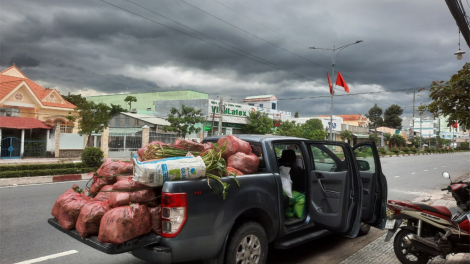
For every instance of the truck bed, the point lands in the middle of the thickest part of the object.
(108, 248)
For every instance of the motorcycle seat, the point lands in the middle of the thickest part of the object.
(442, 210)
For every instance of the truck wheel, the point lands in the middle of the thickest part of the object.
(364, 229)
(248, 245)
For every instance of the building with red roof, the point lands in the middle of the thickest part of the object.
(28, 112)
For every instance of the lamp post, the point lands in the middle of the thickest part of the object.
(332, 52)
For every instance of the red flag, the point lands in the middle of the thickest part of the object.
(329, 83)
(340, 81)
(455, 125)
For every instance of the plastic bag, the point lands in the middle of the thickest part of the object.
(155, 218)
(155, 173)
(124, 223)
(70, 209)
(88, 222)
(128, 191)
(233, 170)
(58, 203)
(234, 145)
(286, 181)
(104, 194)
(248, 164)
(113, 168)
(296, 205)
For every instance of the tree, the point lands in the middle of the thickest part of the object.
(398, 140)
(129, 99)
(296, 115)
(258, 123)
(452, 99)
(75, 99)
(182, 120)
(92, 117)
(289, 128)
(375, 116)
(116, 109)
(392, 116)
(313, 129)
(375, 138)
(346, 134)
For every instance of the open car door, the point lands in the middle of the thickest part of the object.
(335, 195)
(374, 184)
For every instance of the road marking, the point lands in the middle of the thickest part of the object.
(397, 176)
(443, 166)
(435, 168)
(36, 184)
(412, 173)
(48, 257)
(425, 170)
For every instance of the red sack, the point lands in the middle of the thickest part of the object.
(88, 222)
(189, 145)
(70, 209)
(142, 194)
(234, 145)
(58, 203)
(112, 168)
(141, 151)
(233, 170)
(124, 177)
(248, 164)
(155, 218)
(99, 182)
(103, 195)
(124, 223)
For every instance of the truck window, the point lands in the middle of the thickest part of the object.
(328, 157)
(365, 158)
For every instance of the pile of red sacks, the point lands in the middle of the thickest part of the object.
(239, 156)
(121, 209)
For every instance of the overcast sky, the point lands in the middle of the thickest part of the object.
(236, 49)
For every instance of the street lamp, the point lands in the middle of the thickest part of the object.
(460, 52)
(331, 52)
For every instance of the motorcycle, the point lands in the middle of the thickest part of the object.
(429, 231)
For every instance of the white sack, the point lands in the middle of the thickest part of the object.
(285, 180)
(155, 173)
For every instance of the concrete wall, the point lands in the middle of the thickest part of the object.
(71, 141)
(162, 108)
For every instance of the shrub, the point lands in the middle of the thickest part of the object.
(427, 149)
(465, 146)
(405, 149)
(413, 149)
(382, 150)
(43, 172)
(395, 150)
(92, 157)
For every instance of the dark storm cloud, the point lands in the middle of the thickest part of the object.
(95, 48)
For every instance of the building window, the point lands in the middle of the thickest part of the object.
(273, 106)
(260, 105)
(65, 129)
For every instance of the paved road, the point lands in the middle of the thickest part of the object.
(25, 234)
(412, 177)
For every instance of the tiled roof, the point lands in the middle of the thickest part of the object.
(8, 83)
(21, 123)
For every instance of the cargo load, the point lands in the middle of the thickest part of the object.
(69, 209)
(155, 173)
(124, 223)
(88, 222)
(104, 194)
(142, 150)
(233, 145)
(125, 192)
(246, 163)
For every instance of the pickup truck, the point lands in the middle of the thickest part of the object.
(344, 189)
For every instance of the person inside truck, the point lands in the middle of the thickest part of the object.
(289, 158)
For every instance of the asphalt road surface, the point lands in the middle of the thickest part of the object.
(25, 234)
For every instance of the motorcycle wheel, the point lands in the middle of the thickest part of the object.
(406, 254)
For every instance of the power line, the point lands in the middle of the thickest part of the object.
(182, 32)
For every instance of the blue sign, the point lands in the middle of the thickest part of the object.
(334, 125)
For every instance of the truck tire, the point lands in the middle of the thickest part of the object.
(248, 245)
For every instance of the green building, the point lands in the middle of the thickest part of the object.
(146, 101)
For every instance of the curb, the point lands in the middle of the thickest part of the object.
(43, 179)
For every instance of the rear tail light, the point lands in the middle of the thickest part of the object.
(174, 213)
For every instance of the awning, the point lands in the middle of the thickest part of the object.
(361, 135)
(22, 123)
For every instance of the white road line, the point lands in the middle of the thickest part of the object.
(36, 184)
(397, 176)
(425, 170)
(412, 173)
(48, 257)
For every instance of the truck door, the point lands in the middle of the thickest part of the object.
(374, 184)
(335, 195)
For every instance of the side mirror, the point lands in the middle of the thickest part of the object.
(363, 165)
(445, 175)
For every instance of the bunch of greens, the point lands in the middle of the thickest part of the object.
(216, 165)
(160, 152)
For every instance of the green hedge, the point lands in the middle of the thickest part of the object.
(43, 172)
(53, 166)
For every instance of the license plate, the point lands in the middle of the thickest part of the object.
(390, 224)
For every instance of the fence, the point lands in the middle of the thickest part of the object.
(168, 138)
(123, 141)
(35, 148)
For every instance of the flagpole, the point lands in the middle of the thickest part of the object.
(331, 52)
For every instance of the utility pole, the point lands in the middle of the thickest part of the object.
(221, 111)
(213, 116)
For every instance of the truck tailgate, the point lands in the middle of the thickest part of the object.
(108, 248)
